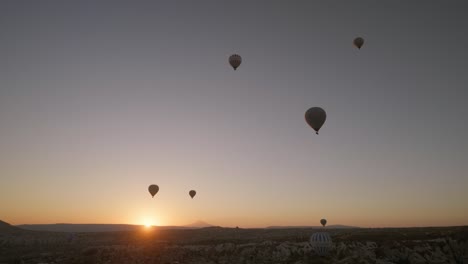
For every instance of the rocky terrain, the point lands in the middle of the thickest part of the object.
(231, 245)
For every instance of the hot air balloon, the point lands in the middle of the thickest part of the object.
(315, 117)
(323, 222)
(153, 189)
(321, 243)
(192, 193)
(358, 42)
(235, 60)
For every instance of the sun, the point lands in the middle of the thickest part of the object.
(148, 222)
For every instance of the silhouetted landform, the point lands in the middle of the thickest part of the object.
(231, 245)
(6, 228)
(123, 227)
(199, 224)
(74, 228)
(81, 227)
(328, 226)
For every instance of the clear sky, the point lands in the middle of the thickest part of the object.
(99, 99)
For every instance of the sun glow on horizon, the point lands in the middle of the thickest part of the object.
(149, 222)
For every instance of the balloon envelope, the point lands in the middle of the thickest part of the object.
(235, 60)
(323, 222)
(192, 193)
(358, 42)
(315, 117)
(153, 189)
(321, 243)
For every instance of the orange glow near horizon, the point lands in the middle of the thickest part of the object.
(147, 223)
(157, 213)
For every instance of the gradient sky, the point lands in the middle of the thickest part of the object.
(99, 99)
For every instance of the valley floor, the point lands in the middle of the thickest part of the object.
(229, 245)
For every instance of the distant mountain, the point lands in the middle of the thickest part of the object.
(62, 227)
(81, 227)
(6, 228)
(198, 224)
(331, 227)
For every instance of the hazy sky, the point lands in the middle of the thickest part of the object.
(99, 99)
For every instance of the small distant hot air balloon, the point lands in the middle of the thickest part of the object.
(235, 60)
(153, 189)
(315, 117)
(192, 193)
(358, 42)
(323, 222)
(321, 243)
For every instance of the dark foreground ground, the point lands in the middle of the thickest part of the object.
(227, 245)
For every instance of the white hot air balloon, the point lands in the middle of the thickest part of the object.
(321, 243)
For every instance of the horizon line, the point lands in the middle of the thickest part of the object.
(255, 227)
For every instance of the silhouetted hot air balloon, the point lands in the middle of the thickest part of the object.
(315, 117)
(323, 222)
(153, 189)
(321, 243)
(358, 42)
(192, 193)
(235, 60)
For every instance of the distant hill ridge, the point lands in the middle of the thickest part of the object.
(64, 227)
(6, 228)
(330, 226)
